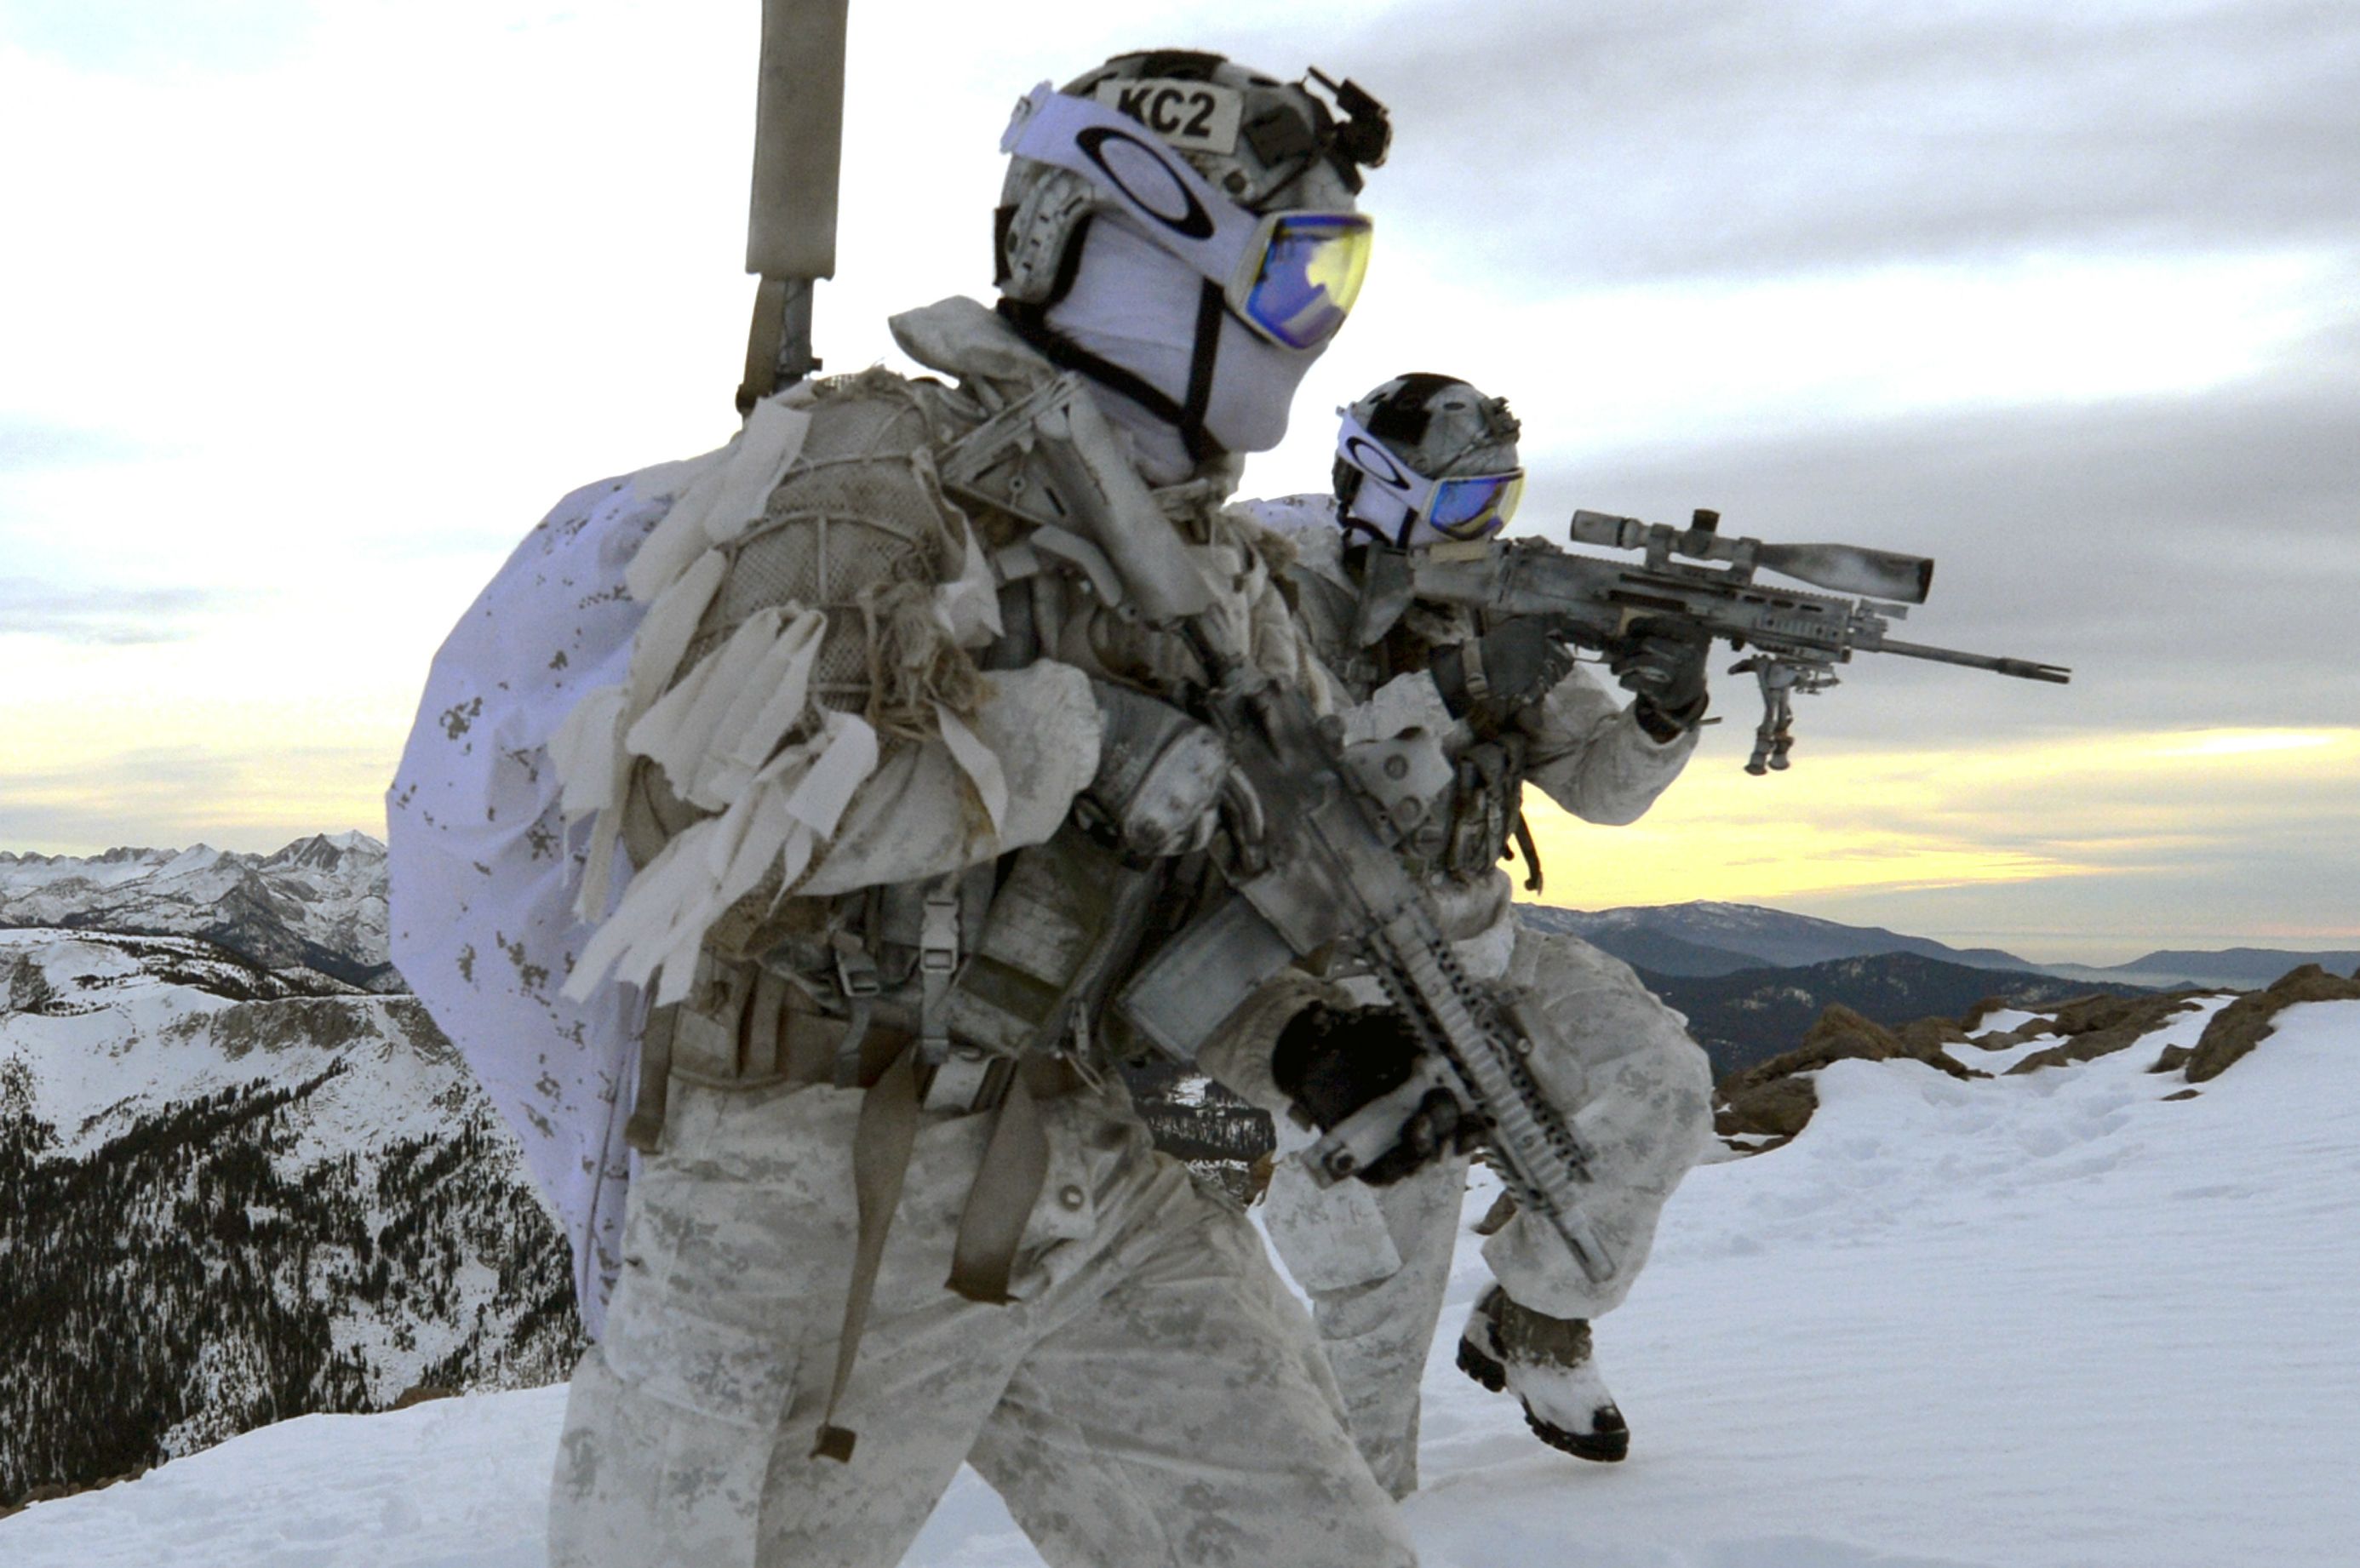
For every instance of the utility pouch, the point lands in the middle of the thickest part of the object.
(1485, 805)
(1067, 912)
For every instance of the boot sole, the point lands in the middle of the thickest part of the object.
(1600, 1448)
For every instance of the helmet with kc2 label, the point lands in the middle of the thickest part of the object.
(1245, 181)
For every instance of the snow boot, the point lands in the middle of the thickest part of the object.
(1546, 1363)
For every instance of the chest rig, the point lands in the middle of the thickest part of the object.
(1479, 820)
(1001, 969)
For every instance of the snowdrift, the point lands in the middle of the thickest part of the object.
(2067, 1316)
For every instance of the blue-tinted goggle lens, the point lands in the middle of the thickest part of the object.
(1311, 269)
(1470, 509)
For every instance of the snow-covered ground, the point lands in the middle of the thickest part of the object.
(2045, 1320)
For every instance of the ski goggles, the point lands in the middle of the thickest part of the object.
(1465, 506)
(1290, 277)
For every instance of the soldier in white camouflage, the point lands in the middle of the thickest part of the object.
(1427, 462)
(899, 780)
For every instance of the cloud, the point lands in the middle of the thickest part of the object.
(111, 617)
(180, 794)
(128, 36)
(1642, 138)
(2189, 557)
(26, 448)
(2092, 848)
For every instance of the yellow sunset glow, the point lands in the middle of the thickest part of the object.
(1898, 821)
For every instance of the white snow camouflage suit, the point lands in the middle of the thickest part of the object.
(1635, 1088)
(857, 717)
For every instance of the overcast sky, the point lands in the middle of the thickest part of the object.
(309, 311)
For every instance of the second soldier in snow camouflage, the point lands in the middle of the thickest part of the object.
(1424, 461)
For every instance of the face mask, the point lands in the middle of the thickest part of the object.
(1137, 307)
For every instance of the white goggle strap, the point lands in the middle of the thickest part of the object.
(1399, 491)
(1140, 174)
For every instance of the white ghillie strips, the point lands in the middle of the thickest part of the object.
(979, 762)
(787, 812)
(967, 607)
(592, 738)
(716, 729)
(725, 501)
(712, 733)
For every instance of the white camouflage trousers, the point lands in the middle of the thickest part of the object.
(1153, 1397)
(1639, 1095)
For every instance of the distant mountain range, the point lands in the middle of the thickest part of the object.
(318, 903)
(1757, 1013)
(2236, 968)
(1707, 939)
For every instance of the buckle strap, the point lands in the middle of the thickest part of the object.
(857, 977)
(1007, 1187)
(881, 1143)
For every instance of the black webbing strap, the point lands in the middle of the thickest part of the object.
(1067, 354)
(1531, 852)
(1007, 1186)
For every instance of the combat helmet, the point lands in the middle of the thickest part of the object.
(1242, 183)
(1425, 457)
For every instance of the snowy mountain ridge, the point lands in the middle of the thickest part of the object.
(229, 1192)
(2059, 1313)
(317, 903)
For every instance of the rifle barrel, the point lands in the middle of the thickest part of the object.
(2022, 669)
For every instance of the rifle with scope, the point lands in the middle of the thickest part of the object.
(1794, 639)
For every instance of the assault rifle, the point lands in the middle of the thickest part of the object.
(1318, 869)
(1316, 866)
(1797, 638)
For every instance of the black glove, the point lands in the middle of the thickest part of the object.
(1331, 1064)
(1661, 659)
(1514, 663)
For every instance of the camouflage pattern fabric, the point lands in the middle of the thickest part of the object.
(1152, 1397)
(1634, 1086)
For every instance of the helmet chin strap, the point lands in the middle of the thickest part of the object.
(1192, 384)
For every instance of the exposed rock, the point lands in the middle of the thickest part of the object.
(1844, 1035)
(1923, 1035)
(2186, 1094)
(2090, 1013)
(2007, 1039)
(24, 988)
(2173, 1059)
(1972, 1019)
(1771, 1100)
(2248, 1021)
(1779, 1109)
(2100, 1025)
(1495, 1218)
